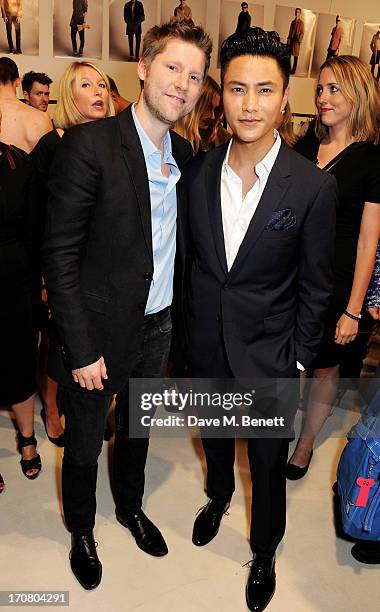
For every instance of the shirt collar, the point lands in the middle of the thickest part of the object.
(149, 148)
(267, 162)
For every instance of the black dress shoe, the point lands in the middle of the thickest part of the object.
(84, 561)
(366, 552)
(207, 523)
(294, 472)
(148, 537)
(261, 583)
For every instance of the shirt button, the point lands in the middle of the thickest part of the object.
(225, 286)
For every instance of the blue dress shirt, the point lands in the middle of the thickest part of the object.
(163, 202)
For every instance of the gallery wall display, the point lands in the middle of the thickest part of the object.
(128, 23)
(19, 29)
(78, 28)
(184, 9)
(236, 15)
(296, 28)
(334, 36)
(370, 47)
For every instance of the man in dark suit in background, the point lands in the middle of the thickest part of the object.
(134, 16)
(78, 18)
(244, 19)
(115, 243)
(262, 224)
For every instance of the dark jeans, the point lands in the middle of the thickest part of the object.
(138, 41)
(130, 454)
(267, 460)
(74, 32)
(85, 416)
(17, 27)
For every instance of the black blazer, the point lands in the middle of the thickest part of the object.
(97, 253)
(134, 25)
(269, 308)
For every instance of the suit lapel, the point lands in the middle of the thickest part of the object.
(213, 179)
(134, 159)
(275, 190)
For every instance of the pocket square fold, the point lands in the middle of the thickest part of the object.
(282, 220)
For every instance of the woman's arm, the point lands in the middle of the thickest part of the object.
(347, 329)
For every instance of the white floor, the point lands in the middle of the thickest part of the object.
(315, 571)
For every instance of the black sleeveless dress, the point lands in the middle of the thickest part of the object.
(20, 226)
(357, 172)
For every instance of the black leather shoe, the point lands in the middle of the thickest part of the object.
(294, 472)
(148, 537)
(84, 561)
(261, 583)
(207, 523)
(366, 552)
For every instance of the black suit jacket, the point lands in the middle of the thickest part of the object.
(134, 25)
(97, 253)
(269, 308)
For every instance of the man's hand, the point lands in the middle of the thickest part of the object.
(374, 311)
(346, 330)
(90, 377)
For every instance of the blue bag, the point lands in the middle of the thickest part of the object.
(359, 476)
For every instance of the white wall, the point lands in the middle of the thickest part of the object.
(124, 73)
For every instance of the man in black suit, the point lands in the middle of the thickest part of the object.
(114, 243)
(262, 224)
(134, 16)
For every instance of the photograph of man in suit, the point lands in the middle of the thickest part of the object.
(295, 36)
(134, 16)
(183, 11)
(261, 222)
(113, 253)
(11, 11)
(375, 57)
(244, 19)
(78, 18)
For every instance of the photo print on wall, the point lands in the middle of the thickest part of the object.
(20, 27)
(334, 36)
(128, 22)
(296, 27)
(77, 28)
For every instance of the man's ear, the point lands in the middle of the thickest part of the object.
(142, 69)
(26, 96)
(285, 97)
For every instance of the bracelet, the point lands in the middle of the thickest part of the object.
(351, 316)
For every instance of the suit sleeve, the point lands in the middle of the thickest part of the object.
(73, 189)
(316, 271)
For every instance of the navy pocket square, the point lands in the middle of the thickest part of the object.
(282, 220)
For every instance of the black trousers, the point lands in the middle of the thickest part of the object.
(74, 32)
(13, 21)
(137, 34)
(267, 459)
(85, 416)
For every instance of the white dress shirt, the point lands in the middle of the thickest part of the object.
(237, 212)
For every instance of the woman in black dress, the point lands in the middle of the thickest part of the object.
(19, 279)
(348, 103)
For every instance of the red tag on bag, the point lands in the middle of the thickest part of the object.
(365, 484)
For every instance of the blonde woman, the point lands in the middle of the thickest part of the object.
(84, 95)
(347, 99)
(203, 127)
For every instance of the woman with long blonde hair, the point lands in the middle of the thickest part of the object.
(348, 104)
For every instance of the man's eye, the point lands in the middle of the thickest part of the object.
(171, 67)
(265, 90)
(237, 89)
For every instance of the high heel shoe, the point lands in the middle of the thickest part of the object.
(29, 464)
(60, 441)
(295, 472)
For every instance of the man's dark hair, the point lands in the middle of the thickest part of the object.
(244, 4)
(31, 77)
(8, 70)
(258, 42)
(113, 86)
(298, 9)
